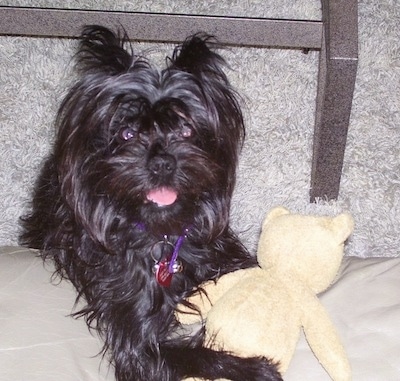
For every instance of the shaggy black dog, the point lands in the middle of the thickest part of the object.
(133, 203)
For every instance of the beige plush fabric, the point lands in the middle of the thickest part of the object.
(40, 342)
(262, 311)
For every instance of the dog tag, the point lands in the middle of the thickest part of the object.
(163, 276)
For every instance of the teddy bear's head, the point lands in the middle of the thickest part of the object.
(309, 248)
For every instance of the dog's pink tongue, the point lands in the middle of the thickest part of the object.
(162, 196)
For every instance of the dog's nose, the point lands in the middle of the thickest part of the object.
(162, 165)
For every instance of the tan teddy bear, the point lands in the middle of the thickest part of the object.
(261, 311)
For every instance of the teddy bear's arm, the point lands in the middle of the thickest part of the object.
(324, 341)
(214, 290)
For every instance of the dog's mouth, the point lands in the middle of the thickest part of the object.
(163, 196)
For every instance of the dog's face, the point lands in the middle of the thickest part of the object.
(137, 144)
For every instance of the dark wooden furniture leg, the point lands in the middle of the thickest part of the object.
(337, 73)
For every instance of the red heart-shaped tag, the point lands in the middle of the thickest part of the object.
(163, 276)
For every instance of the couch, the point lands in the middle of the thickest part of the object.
(40, 341)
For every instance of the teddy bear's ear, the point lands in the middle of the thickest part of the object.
(275, 212)
(343, 225)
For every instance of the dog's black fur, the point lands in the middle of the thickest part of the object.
(125, 130)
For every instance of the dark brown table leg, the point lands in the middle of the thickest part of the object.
(336, 79)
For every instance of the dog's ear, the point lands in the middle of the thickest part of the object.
(100, 50)
(197, 56)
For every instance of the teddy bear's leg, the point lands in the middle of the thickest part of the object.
(325, 343)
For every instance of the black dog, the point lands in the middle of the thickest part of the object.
(133, 204)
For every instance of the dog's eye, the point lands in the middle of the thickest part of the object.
(127, 133)
(186, 130)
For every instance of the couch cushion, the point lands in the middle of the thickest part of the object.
(40, 342)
